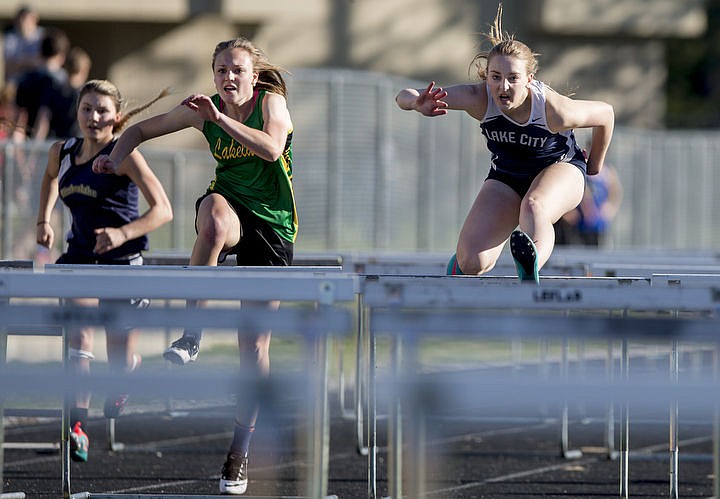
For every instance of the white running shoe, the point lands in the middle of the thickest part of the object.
(233, 479)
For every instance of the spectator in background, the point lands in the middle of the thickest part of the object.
(21, 44)
(7, 100)
(53, 50)
(590, 222)
(57, 114)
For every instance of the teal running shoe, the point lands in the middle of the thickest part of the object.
(79, 444)
(525, 255)
(452, 267)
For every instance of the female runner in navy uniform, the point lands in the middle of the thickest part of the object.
(107, 227)
(537, 170)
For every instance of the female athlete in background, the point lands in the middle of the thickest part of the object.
(107, 227)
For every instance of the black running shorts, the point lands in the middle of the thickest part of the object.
(259, 244)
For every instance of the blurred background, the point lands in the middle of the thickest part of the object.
(371, 177)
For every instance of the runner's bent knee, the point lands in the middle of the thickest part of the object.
(475, 263)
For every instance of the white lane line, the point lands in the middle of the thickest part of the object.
(545, 469)
(290, 464)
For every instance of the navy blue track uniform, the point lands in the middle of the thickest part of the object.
(96, 201)
(519, 151)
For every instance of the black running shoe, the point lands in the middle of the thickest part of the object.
(182, 351)
(115, 402)
(114, 405)
(233, 479)
(525, 255)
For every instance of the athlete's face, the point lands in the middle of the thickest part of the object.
(97, 114)
(509, 81)
(234, 75)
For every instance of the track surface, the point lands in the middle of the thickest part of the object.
(487, 457)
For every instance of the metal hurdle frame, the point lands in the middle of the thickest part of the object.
(691, 280)
(396, 293)
(406, 326)
(326, 289)
(307, 262)
(435, 264)
(614, 269)
(565, 261)
(319, 261)
(414, 264)
(4, 333)
(366, 343)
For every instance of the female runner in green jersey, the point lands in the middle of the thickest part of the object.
(249, 207)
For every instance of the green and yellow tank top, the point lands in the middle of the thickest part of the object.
(263, 187)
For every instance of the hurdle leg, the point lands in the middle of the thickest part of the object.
(610, 418)
(716, 427)
(418, 448)
(395, 425)
(516, 347)
(544, 368)
(319, 434)
(371, 412)
(361, 375)
(582, 375)
(113, 444)
(674, 378)
(417, 407)
(65, 420)
(348, 412)
(345, 412)
(169, 401)
(624, 425)
(3, 359)
(565, 450)
(407, 399)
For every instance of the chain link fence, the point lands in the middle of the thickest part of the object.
(370, 177)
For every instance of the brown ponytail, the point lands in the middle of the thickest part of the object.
(106, 87)
(505, 44)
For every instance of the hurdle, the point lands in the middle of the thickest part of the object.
(565, 262)
(617, 269)
(450, 295)
(325, 289)
(702, 280)
(435, 264)
(629, 262)
(490, 284)
(300, 259)
(319, 261)
(414, 264)
(303, 262)
(4, 333)
(563, 255)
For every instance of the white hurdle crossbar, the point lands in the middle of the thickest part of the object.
(325, 289)
(447, 297)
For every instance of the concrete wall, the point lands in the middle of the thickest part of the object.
(595, 49)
